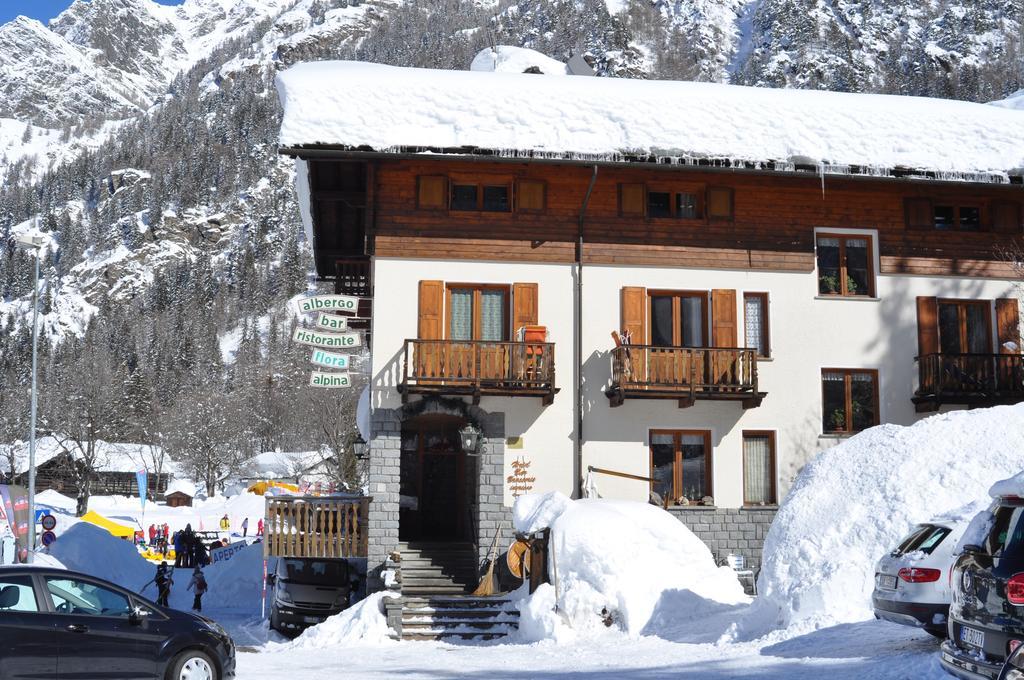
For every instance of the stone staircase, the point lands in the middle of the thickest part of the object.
(435, 605)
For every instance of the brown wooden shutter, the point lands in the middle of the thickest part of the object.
(530, 195)
(431, 318)
(432, 191)
(1006, 217)
(927, 326)
(632, 200)
(1008, 324)
(524, 305)
(919, 213)
(719, 203)
(723, 318)
(634, 313)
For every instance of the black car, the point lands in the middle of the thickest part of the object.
(63, 624)
(986, 616)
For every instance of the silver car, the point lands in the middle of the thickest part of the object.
(912, 582)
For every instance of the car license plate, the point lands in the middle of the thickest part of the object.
(311, 619)
(886, 582)
(974, 638)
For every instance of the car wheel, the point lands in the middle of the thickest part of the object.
(192, 665)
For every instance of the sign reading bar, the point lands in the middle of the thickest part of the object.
(329, 303)
(330, 360)
(320, 379)
(324, 339)
(331, 322)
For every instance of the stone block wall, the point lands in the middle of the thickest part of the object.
(491, 515)
(384, 479)
(729, 530)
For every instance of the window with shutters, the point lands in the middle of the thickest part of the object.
(530, 195)
(957, 217)
(755, 323)
(924, 213)
(845, 265)
(759, 468)
(480, 197)
(964, 327)
(849, 400)
(681, 466)
(660, 201)
(477, 312)
(679, 318)
(720, 203)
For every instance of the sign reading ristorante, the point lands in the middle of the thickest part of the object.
(324, 339)
(331, 360)
(330, 322)
(329, 303)
(319, 379)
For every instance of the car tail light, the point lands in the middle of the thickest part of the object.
(922, 575)
(1015, 589)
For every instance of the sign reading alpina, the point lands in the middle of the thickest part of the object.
(320, 379)
(328, 340)
(331, 322)
(329, 303)
(331, 360)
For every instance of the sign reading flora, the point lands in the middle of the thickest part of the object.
(328, 340)
(329, 303)
(331, 360)
(331, 322)
(321, 379)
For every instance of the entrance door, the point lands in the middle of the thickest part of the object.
(433, 480)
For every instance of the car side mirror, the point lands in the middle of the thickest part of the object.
(137, 616)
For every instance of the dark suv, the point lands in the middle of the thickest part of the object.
(55, 621)
(986, 616)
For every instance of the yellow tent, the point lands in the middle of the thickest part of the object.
(119, 530)
(260, 488)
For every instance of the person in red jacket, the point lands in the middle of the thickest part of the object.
(152, 534)
(259, 527)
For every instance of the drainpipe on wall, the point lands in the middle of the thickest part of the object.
(578, 344)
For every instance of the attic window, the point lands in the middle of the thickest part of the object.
(463, 197)
(496, 199)
(487, 198)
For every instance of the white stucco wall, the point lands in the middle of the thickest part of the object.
(807, 334)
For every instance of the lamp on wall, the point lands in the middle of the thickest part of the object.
(360, 448)
(470, 437)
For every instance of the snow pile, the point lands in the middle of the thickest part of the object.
(853, 503)
(618, 562)
(1014, 101)
(92, 550)
(510, 59)
(361, 624)
(388, 108)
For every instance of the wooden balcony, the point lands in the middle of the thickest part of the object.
(479, 368)
(968, 379)
(684, 373)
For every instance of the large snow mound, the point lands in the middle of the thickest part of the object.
(364, 623)
(622, 562)
(510, 59)
(853, 503)
(91, 550)
(390, 108)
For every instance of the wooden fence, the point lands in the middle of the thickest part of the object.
(312, 526)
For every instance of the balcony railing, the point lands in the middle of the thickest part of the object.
(684, 373)
(479, 368)
(969, 379)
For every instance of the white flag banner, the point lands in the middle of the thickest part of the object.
(321, 379)
(332, 322)
(327, 340)
(328, 303)
(331, 360)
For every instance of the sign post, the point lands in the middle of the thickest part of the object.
(327, 340)
(344, 304)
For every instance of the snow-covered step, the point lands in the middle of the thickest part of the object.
(464, 617)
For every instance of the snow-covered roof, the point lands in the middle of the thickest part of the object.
(370, 107)
(110, 457)
(181, 486)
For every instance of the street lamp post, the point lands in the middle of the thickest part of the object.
(34, 243)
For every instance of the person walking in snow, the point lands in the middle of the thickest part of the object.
(152, 535)
(225, 523)
(179, 548)
(245, 527)
(259, 527)
(198, 586)
(163, 581)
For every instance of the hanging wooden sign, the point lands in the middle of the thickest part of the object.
(332, 322)
(306, 336)
(331, 360)
(321, 379)
(329, 303)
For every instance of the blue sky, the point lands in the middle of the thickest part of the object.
(44, 10)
